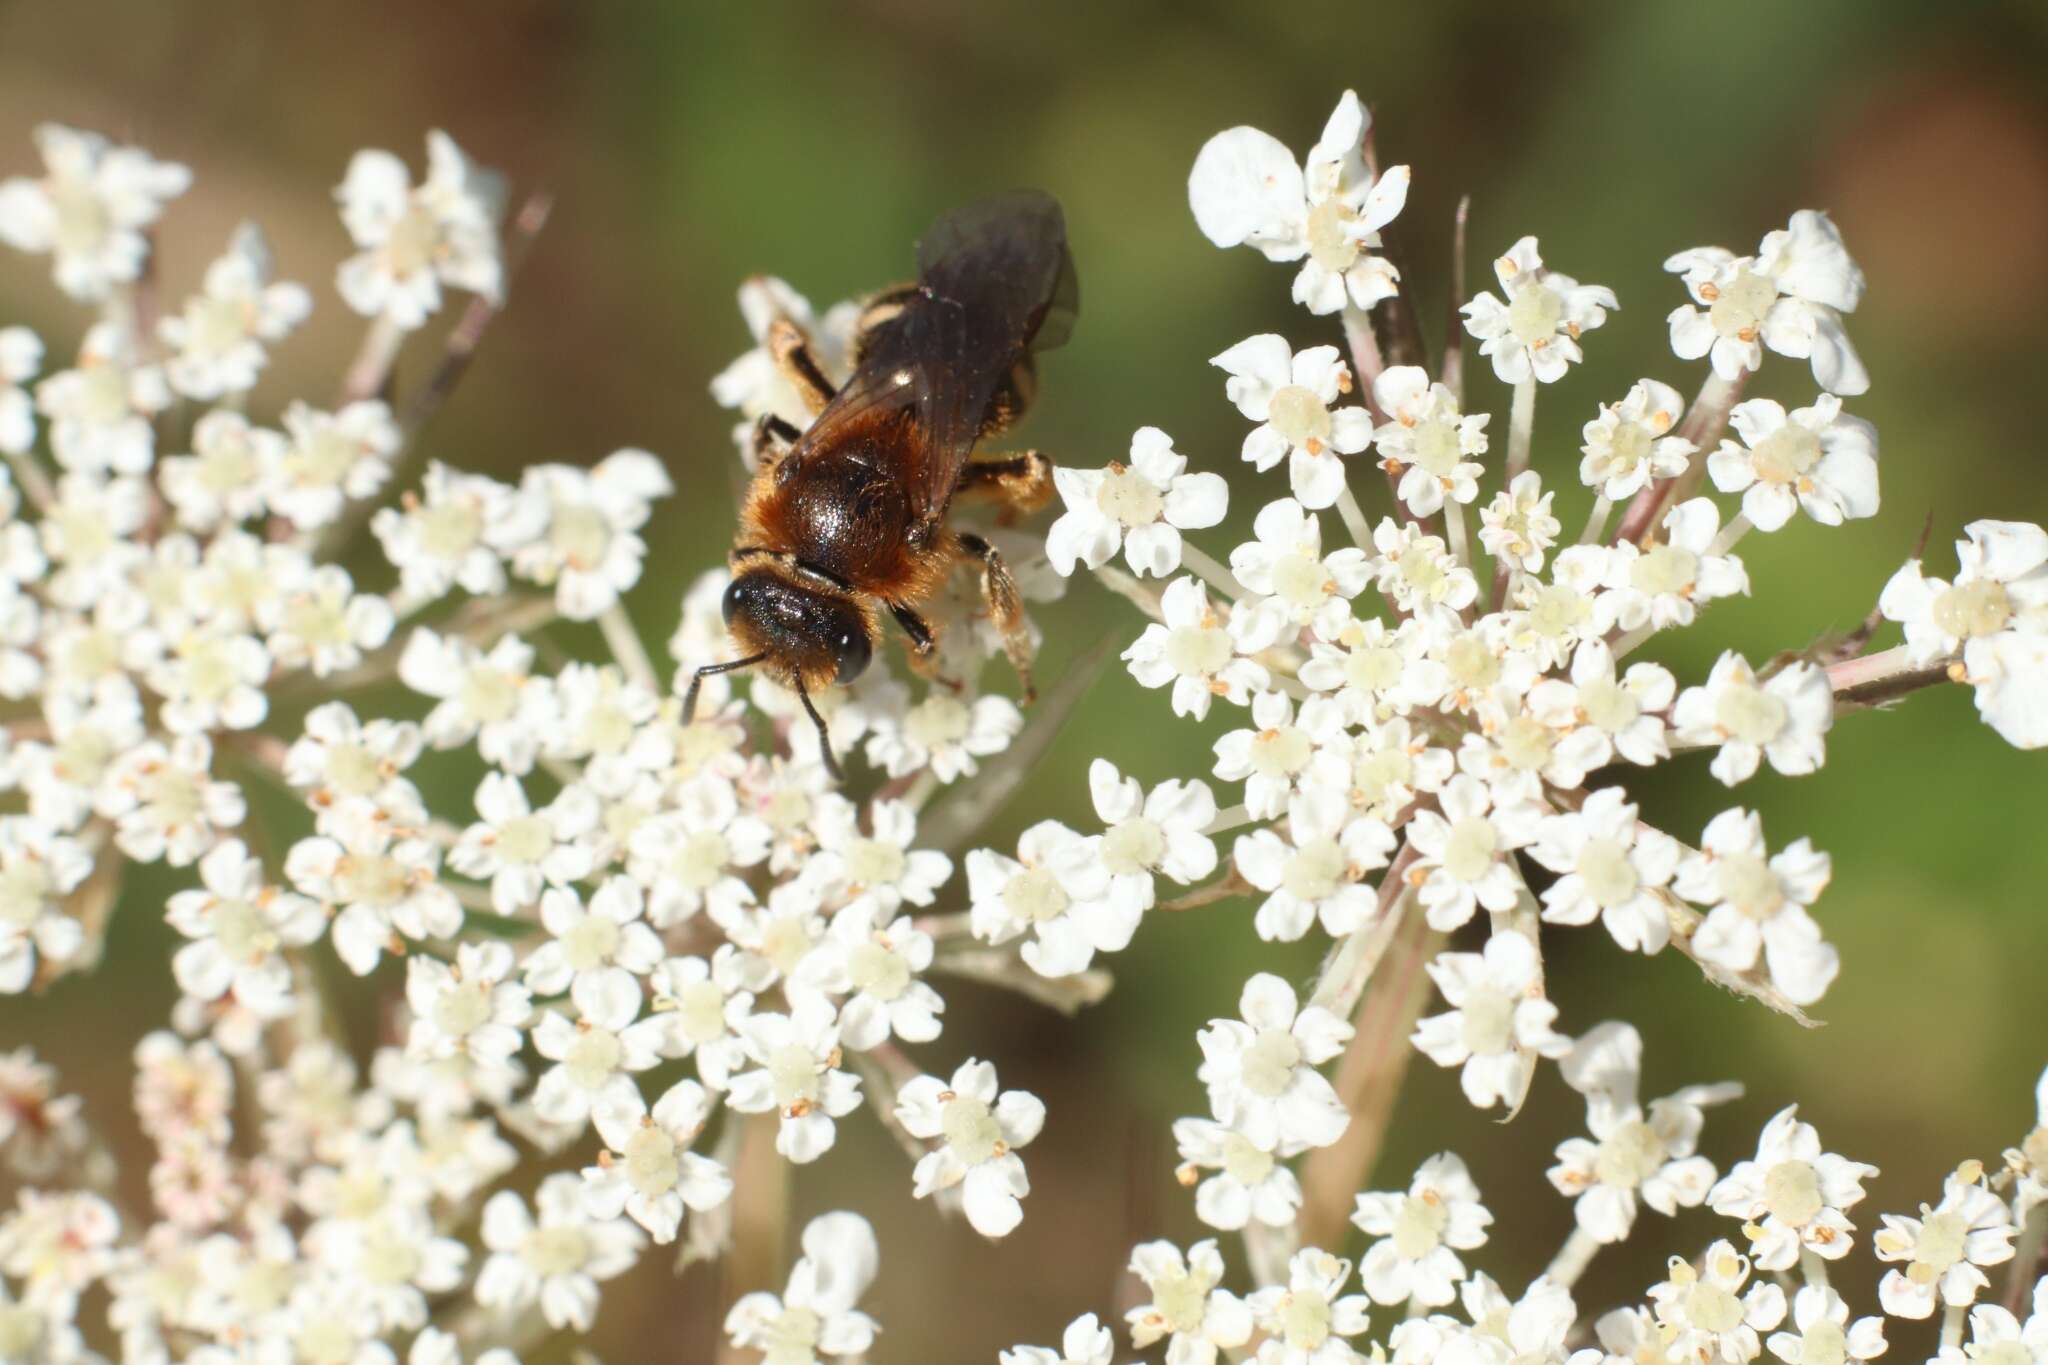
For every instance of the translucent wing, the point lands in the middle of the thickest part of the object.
(995, 283)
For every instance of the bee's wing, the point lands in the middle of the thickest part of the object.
(994, 282)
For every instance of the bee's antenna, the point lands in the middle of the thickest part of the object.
(824, 736)
(697, 680)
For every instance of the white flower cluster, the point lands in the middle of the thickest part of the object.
(645, 945)
(1434, 740)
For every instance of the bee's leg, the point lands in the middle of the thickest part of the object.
(791, 350)
(999, 590)
(1020, 484)
(924, 658)
(772, 439)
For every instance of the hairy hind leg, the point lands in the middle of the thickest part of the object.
(1019, 484)
(999, 590)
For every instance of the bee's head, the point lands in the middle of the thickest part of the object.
(813, 634)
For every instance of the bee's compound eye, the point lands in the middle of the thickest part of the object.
(853, 649)
(736, 594)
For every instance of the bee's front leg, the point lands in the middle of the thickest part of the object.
(791, 351)
(999, 590)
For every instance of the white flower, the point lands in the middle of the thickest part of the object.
(101, 413)
(1148, 834)
(1631, 1155)
(978, 1132)
(1791, 1197)
(1250, 1181)
(340, 759)
(1628, 445)
(1429, 446)
(444, 537)
(212, 680)
(89, 536)
(21, 355)
(797, 1059)
(689, 855)
(1535, 334)
(1057, 888)
(648, 1172)
(1246, 188)
(38, 868)
(1825, 1332)
(1465, 855)
(166, 801)
(556, 1259)
(596, 1056)
(590, 551)
(1622, 712)
(1663, 583)
(1291, 583)
(414, 239)
(1320, 875)
(1085, 1342)
(1391, 765)
(238, 924)
(1783, 719)
(1611, 867)
(1418, 573)
(1187, 1306)
(218, 338)
(1759, 906)
(1308, 1319)
(89, 208)
(383, 879)
(471, 1009)
(874, 962)
(1261, 1071)
(318, 621)
(520, 849)
(1944, 1248)
(1193, 650)
(1289, 394)
(2029, 1160)
(1996, 612)
(1818, 458)
(226, 477)
(333, 457)
(1790, 296)
(1704, 1314)
(702, 1001)
(1516, 527)
(1421, 1233)
(945, 734)
(1529, 1330)
(609, 937)
(1495, 1029)
(492, 698)
(1273, 757)
(1141, 507)
(1997, 1337)
(815, 1316)
(878, 868)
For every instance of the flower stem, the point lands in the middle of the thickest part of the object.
(627, 647)
(1353, 517)
(370, 371)
(2027, 1258)
(1521, 429)
(1813, 1268)
(1216, 575)
(1369, 1077)
(1596, 524)
(1572, 1258)
(760, 1220)
(1952, 1318)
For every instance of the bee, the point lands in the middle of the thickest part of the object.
(847, 519)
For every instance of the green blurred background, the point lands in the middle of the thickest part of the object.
(692, 144)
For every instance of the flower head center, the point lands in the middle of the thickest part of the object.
(937, 722)
(1740, 305)
(1610, 875)
(1750, 714)
(1330, 242)
(1197, 651)
(1970, 610)
(652, 1167)
(525, 839)
(1629, 1155)
(1535, 314)
(593, 1057)
(878, 970)
(590, 942)
(1245, 1163)
(1135, 845)
(580, 535)
(1786, 455)
(971, 1130)
(1488, 1015)
(1129, 498)
(556, 1250)
(1300, 416)
(793, 1069)
(1035, 895)
(1792, 1192)
(1419, 1226)
(1469, 850)
(1316, 870)
(1270, 1061)
(1748, 883)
